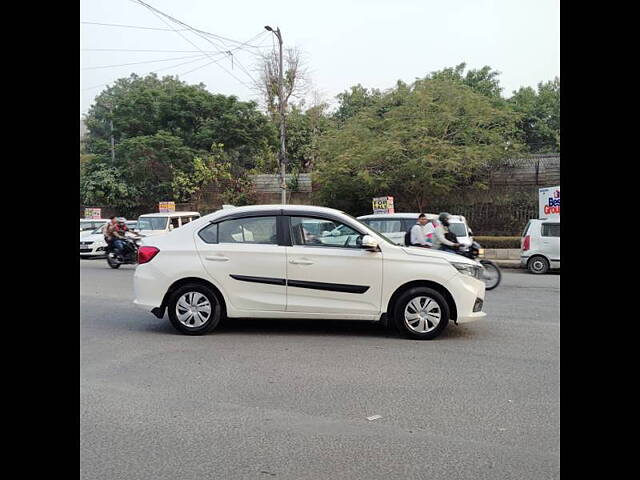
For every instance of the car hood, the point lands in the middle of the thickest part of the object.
(448, 256)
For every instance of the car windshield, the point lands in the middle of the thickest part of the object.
(152, 223)
(457, 229)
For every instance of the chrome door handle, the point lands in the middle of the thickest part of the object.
(301, 262)
(217, 258)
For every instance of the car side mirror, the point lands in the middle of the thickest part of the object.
(369, 243)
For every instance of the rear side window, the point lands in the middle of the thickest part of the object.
(386, 225)
(551, 230)
(257, 230)
(209, 234)
(185, 220)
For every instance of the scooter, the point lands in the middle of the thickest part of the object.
(128, 255)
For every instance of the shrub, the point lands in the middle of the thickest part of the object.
(498, 242)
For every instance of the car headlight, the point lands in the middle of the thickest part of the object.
(467, 269)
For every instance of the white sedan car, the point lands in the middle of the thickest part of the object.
(276, 261)
(93, 244)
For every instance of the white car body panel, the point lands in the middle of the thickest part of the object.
(183, 254)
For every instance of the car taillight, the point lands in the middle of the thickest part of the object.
(145, 254)
(527, 243)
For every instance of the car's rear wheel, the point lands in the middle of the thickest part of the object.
(194, 309)
(421, 313)
(538, 265)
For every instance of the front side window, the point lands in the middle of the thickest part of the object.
(257, 230)
(551, 230)
(314, 232)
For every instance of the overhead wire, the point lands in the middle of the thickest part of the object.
(158, 15)
(140, 63)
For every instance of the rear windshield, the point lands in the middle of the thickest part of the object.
(152, 223)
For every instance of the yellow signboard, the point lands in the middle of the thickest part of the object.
(383, 205)
(165, 207)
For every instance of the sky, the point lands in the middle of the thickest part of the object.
(371, 42)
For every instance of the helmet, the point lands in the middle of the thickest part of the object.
(121, 219)
(444, 218)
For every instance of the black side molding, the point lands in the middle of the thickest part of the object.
(268, 280)
(330, 287)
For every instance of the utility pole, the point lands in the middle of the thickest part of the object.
(113, 143)
(283, 151)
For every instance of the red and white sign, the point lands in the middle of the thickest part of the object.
(92, 213)
(549, 203)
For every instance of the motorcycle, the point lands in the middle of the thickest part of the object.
(128, 254)
(491, 274)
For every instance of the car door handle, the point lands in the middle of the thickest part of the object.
(301, 262)
(217, 258)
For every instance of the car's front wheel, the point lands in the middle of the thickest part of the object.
(194, 309)
(421, 313)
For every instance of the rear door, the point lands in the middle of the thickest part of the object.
(244, 259)
(331, 273)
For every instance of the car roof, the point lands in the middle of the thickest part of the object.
(430, 216)
(169, 214)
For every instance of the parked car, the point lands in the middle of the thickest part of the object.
(540, 246)
(271, 261)
(162, 223)
(88, 225)
(394, 225)
(93, 244)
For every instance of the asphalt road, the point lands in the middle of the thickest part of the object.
(259, 399)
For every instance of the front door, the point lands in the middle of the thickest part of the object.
(244, 259)
(327, 271)
(551, 240)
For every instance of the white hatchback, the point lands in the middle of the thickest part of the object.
(540, 246)
(395, 225)
(301, 262)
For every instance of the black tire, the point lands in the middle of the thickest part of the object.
(493, 267)
(410, 295)
(111, 263)
(213, 319)
(538, 265)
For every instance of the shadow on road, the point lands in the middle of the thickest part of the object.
(310, 328)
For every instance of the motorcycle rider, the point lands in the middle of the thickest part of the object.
(439, 239)
(421, 232)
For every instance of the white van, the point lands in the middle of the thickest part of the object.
(540, 245)
(394, 225)
(151, 224)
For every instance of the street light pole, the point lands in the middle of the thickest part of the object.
(283, 151)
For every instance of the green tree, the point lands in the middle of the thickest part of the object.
(144, 106)
(187, 184)
(353, 101)
(416, 142)
(540, 116)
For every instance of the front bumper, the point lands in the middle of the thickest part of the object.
(468, 294)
